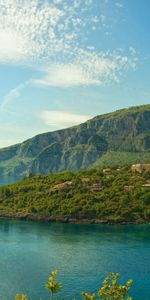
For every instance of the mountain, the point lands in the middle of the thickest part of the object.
(117, 138)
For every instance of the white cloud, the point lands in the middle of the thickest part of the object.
(49, 32)
(88, 68)
(27, 29)
(65, 76)
(31, 30)
(61, 119)
(11, 45)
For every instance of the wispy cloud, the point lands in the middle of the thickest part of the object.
(88, 68)
(61, 119)
(12, 95)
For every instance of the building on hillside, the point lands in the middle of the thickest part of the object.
(94, 187)
(146, 185)
(140, 168)
(137, 177)
(85, 179)
(107, 171)
(128, 188)
(63, 185)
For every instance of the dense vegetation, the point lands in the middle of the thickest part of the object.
(110, 289)
(96, 195)
(121, 137)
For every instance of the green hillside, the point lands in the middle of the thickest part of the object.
(116, 138)
(96, 196)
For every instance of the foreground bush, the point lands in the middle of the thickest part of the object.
(110, 289)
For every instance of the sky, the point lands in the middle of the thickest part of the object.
(63, 62)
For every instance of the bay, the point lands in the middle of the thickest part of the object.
(81, 253)
(4, 180)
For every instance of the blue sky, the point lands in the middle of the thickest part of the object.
(65, 61)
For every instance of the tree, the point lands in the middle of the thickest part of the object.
(53, 286)
(20, 297)
(110, 290)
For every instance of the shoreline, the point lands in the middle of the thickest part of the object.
(67, 220)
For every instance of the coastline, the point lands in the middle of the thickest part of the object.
(69, 220)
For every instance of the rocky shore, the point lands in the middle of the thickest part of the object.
(63, 219)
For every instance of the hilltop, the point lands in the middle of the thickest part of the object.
(117, 138)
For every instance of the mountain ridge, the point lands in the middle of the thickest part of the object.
(98, 142)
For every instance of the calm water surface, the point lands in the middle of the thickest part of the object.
(8, 179)
(81, 253)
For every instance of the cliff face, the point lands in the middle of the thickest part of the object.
(115, 138)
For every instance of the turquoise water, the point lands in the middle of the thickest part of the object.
(81, 253)
(8, 179)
